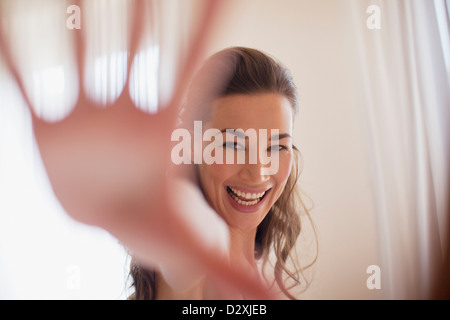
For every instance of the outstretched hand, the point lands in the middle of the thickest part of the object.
(108, 167)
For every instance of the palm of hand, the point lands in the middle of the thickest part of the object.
(108, 166)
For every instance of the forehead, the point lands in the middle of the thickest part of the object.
(256, 111)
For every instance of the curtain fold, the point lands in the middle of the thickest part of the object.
(406, 98)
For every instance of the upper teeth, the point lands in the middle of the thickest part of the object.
(248, 195)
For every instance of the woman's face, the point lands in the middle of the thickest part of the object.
(243, 193)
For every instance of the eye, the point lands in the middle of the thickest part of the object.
(277, 147)
(233, 145)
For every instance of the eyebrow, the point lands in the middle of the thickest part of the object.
(242, 135)
(280, 136)
(239, 134)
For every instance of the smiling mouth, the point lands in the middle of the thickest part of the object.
(246, 198)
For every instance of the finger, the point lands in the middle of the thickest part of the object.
(205, 236)
(246, 284)
(217, 268)
(184, 245)
(159, 234)
(195, 53)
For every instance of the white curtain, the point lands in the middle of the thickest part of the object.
(404, 54)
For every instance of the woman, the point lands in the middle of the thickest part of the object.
(108, 165)
(261, 208)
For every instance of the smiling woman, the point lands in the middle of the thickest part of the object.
(261, 207)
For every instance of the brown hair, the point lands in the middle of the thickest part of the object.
(248, 71)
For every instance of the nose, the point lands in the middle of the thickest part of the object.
(253, 173)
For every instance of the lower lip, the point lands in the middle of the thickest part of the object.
(244, 208)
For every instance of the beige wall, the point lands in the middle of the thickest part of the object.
(314, 40)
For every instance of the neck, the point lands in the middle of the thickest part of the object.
(242, 248)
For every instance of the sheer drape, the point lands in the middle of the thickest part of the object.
(405, 72)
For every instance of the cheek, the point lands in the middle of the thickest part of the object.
(213, 176)
(284, 170)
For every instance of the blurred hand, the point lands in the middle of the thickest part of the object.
(109, 167)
